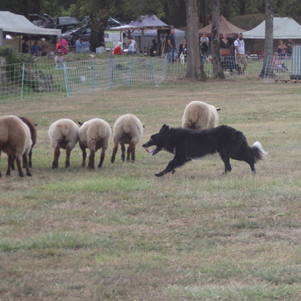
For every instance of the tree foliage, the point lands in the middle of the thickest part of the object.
(171, 11)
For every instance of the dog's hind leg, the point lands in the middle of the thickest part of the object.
(251, 162)
(226, 161)
(248, 157)
(172, 165)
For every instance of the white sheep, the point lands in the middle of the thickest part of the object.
(94, 134)
(200, 115)
(63, 133)
(15, 141)
(128, 129)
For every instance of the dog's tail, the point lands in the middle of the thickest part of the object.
(258, 151)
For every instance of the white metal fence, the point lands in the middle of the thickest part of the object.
(282, 67)
(20, 81)
(69, 78)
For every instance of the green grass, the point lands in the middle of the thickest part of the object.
(120, 233)
(98, 185)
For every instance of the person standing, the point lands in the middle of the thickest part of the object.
(25, 46)
(204, 45)
(35, 49)
(61, 48)
(240, 52)
(78, 45)
(171, 46)
(132, 46)
(85, 46)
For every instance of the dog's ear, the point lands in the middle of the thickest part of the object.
(164, 127)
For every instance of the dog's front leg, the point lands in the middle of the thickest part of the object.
(172, 165)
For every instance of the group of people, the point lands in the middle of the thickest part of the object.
(38, 48)
(284, 49)
(44, 47)
(82, 45)
(128, 46)
(232, 51)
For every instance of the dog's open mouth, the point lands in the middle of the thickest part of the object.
(152, 151)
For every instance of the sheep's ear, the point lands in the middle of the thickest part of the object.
(79, 122)
(143, 126)
(218, 109)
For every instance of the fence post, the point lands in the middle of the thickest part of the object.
(152, 71)
(130, 71)
(22, 81)
(68, 91)
(93, 70)
(111, 72)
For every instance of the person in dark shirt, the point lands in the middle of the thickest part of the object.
(25, 47)
(171, 46)
(153, 48)
(35, 49)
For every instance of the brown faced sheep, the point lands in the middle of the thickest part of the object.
(127, 129)
(63, 133)
(15, 141)
(200, 115)
(94, 134)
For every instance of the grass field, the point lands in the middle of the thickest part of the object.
(119, 233)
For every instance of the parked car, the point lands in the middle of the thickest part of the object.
(64, 23)
(84, 31)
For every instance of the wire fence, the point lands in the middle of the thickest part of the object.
(70, 78)
(21, 81)
(282, 67)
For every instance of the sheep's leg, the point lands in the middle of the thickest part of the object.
(55, 163)
(122, 151)
(18, 161)
(91, 159)
(68, 153)
(102, 157)
(129, 151)
(114, 152)
(29, 159)
(25, 165)
(133, 154)
(12, 163)
(10, 159)
(84, 155)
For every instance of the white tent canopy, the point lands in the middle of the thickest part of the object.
(10, 22)
(284, 28)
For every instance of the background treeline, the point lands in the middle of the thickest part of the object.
(171, 11)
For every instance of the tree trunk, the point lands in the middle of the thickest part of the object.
(242, 7)
(218, 71)
(204, 13)
(268, 42)
(195, 69)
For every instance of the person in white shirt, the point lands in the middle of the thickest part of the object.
(132, 46)
(240, 52)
